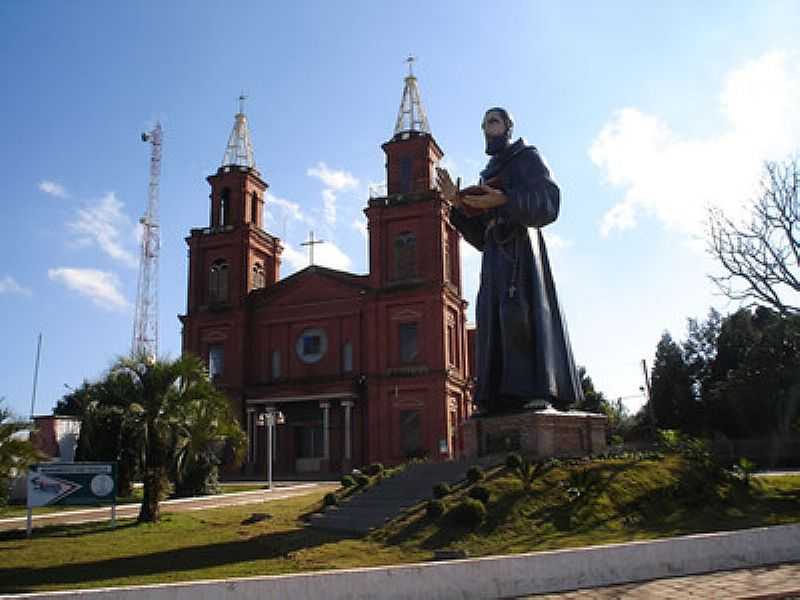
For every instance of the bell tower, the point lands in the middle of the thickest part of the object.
(233, 255)
(411, 238)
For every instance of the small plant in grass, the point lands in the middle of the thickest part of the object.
(480, 492)
(361, 480)
(468, 513)
(330, 499)
(513, 461)
(474, 474)
(348, 481)
(374, 469)
(441, 489)
(527, 471)
(434, 509)
(743, 470)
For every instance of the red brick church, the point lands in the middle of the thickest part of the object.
(363, 368)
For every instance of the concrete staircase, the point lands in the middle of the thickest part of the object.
(390, 497)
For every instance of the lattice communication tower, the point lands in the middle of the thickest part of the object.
(145, 321)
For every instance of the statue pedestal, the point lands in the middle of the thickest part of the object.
(538, 434)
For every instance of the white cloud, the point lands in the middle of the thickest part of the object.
(53, 188)
(326, 254)
(102, 224)
(329, 205)
(101, 287)
(360, 225)
(8, 285)
(287, 208)
(677, 178)
(554, 241)
(334, 181)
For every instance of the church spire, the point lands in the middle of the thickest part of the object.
(411, 116)
(239, 151)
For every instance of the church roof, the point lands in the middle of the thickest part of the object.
(411, 116)
(360, 282)
(239, 151)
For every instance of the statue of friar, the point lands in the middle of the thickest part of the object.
(523, 353)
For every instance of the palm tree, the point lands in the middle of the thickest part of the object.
(16, 451)
(166, 395)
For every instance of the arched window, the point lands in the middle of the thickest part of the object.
(405, 256)
(259, 279)
(218, 282)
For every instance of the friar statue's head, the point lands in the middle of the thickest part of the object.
(498, 126)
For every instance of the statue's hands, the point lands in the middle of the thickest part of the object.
(492, 198)
(447, 187)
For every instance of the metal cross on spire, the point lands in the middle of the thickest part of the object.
(311, 243)
(411, 116)
(239, 151)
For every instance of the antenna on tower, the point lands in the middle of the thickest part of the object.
(411, 116)
(145, 321)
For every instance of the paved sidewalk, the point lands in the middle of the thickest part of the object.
(131, 511)
(763, 583)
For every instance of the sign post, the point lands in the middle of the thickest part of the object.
(71, 483)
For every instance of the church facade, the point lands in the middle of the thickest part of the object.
(361, 368)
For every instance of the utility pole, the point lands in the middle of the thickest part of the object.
(145, 321)
(648, 390)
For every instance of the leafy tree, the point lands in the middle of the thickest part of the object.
(670, 388)
(168, 399)
(16, 450)
(593, 400)
(760, 258)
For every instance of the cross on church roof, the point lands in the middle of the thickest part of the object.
(311, 243)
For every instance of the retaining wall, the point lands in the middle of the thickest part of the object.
(491, 577)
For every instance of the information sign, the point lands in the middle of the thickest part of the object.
(72, 483)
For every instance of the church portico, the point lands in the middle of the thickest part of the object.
(313, 433)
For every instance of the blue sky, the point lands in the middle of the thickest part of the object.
(646, 112)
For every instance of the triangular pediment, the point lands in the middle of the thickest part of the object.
(312, 285)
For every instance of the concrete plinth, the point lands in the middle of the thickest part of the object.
(536, 433)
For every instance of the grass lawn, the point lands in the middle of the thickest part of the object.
(616, 501)
(19, 510)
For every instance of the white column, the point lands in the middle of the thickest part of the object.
(251, 432)
(348, 406)
(326, 424)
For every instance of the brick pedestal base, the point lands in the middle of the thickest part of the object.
(538, 434)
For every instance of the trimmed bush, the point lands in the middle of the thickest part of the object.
(441, 489)
(330, 499)
(348, 481)
(362, 480)
(513, 461)
(481, 493)
(434, 509)
(374, 469)
(468, 513)
(474, 474)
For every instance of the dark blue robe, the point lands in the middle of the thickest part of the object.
(523, 350)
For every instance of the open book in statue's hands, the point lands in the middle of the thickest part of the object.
(475, 191)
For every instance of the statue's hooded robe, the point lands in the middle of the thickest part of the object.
(523, 350)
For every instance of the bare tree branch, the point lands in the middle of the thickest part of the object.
(760, 258)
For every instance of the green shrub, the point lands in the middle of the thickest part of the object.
(474, 474)
(480, 492)
(362, 480)
(434, 509)
(330, 499)
(374, 469)
(441, 489)
(348, 481)
(513, 461)
(468, 513)
(527, 471)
